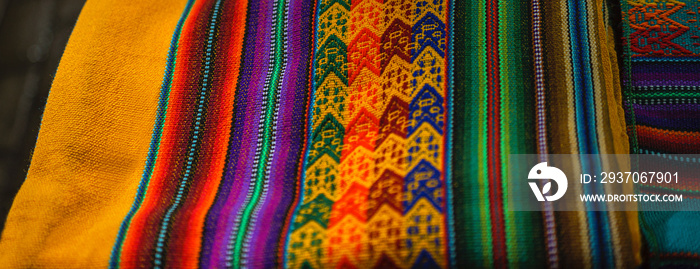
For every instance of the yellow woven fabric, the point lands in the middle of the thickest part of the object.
(94, 137)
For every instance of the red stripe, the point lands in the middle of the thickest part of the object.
(188, 223)
(668, 141)
(139, 244)
(675, 255)
(494, 134)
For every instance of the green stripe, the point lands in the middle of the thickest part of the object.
(267, 133)
(524, 230)
(505, 115)
(524, 233)
(471, 200)
(506, 110)
(663, 95)
(482, 147)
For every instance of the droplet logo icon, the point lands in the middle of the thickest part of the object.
(542, 171)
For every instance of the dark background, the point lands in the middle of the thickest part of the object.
(33, 34)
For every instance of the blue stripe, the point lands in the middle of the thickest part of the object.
(602, 215)
(452, 255)
(115, 257)
(599, 230)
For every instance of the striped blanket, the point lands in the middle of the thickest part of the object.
(348, 133)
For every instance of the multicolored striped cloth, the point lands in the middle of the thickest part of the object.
(662, 89)
(345, 133)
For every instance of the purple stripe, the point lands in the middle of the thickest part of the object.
(247, 108)
(669, 79)
(290, 135)
(665, 73)
(550, 229)
(682, 117)
(665, 67)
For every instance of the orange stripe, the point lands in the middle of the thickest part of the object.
(668, 140)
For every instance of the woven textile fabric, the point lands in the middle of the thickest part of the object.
(559, 95)
(662, 90)
(323, 133)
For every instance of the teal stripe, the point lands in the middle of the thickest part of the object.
(449, 220)
(115, 257)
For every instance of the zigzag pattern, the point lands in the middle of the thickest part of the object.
(375, 157)
(385, 217)
(348, 231)
(321, 188)
(657, 28)
(424, 183)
